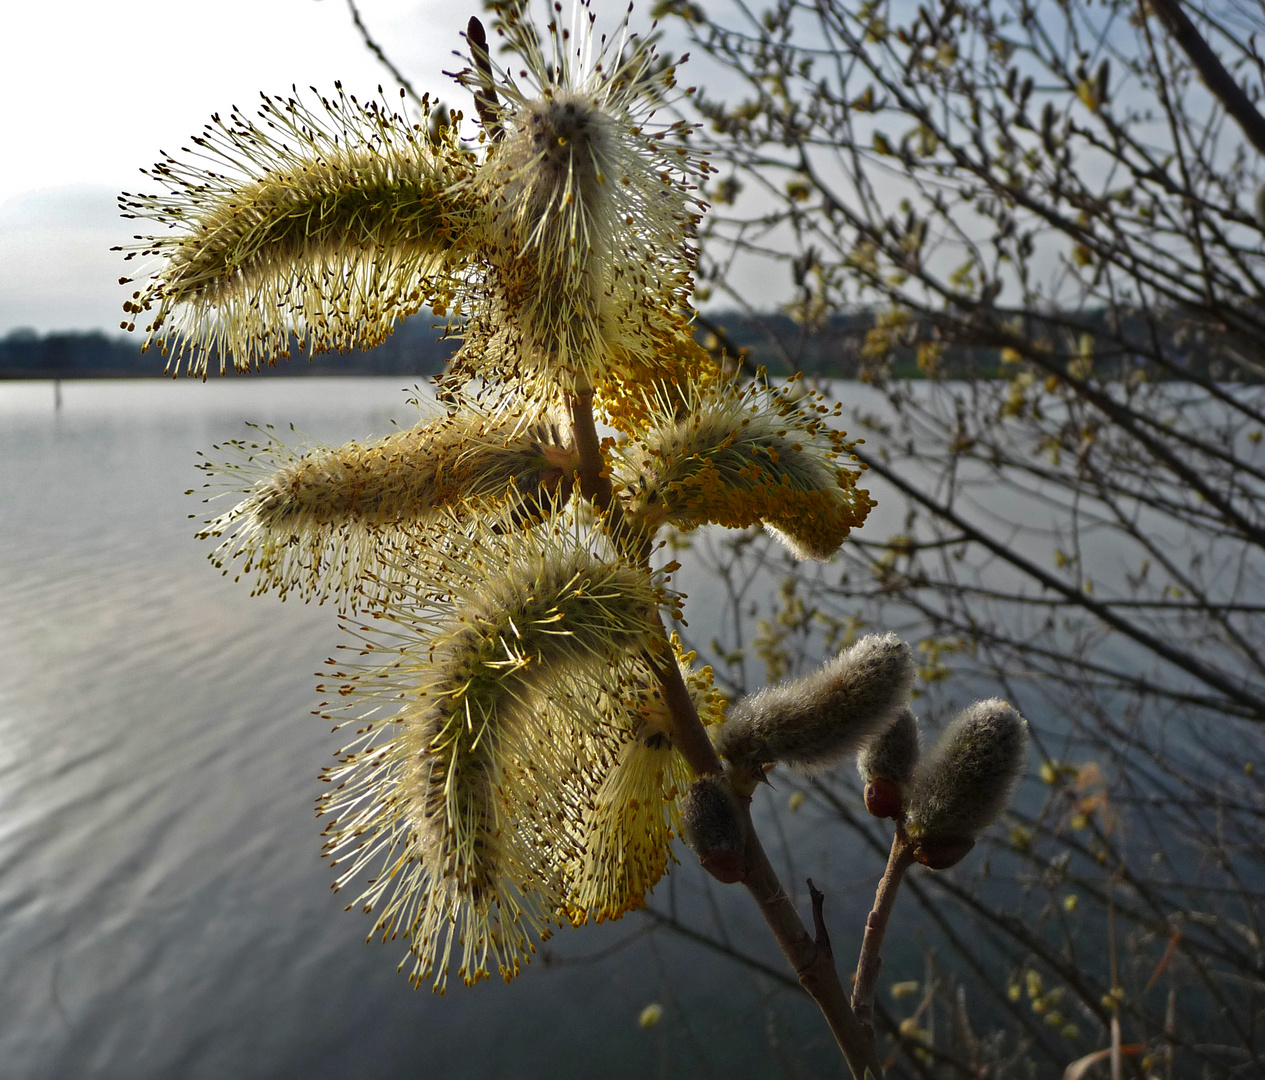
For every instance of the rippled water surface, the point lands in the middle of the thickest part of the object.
(163, 908)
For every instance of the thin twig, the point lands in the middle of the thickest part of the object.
(688, 735)
(819, 919)
(595, 484)
(376, 49)
(781, 978)
(871, 958)
(1170, 652)
(814, 965)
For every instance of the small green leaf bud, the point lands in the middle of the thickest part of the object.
(966, 782)
(710, 825)
(887, 764)
(824, 717)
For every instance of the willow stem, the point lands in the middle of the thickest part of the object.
(595, 484)
(810, 957)
(871, 959)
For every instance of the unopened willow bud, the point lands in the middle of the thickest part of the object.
(966, 782)
(887, 764)
(826, 716)
(710, 825)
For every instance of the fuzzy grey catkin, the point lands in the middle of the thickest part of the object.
(893, 753)
(709, 823)
(968, 777)
(887, 763)
(824, 717)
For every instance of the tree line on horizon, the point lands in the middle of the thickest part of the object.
(842, 346)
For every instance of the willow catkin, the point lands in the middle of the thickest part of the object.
(817, 720)
(317, 521)
(589, 214)
(736, 456)
(886, 764)
(627, 826)
(466, 806)
(966, 781)
(324, 224)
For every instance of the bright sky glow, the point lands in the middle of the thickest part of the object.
(93, 89)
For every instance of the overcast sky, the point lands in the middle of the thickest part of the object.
(93, 89)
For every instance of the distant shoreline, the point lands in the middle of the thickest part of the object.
(416, 350)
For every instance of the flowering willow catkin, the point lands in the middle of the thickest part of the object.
(329, 224)
(823, 717)
(965, 781)
(628, 826)
(318, 521)
(588, 213)
(630, 819)
(735, 456)
(511, 763)
(451, 795)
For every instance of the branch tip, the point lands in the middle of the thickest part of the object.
(820, 933)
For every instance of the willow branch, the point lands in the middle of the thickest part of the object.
(871, 959)
(1213, 72)
(1209, 676)
(595, 483)
(688, 735)
(811, 960)
(376, 49)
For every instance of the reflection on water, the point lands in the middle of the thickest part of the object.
(164, 909)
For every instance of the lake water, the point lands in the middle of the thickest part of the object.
(164, 911)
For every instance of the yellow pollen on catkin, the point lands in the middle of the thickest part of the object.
(676, 363)
(316, 522)
(634, 812)
(456, 786)
(571, 273)
(734, 457)
(357, 220)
